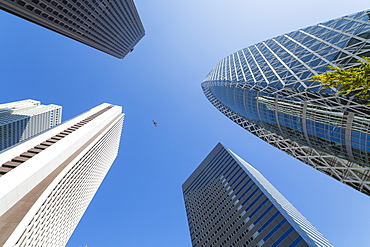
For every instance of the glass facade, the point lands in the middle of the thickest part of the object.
(229, 203)
(111, 26)
(267, 89)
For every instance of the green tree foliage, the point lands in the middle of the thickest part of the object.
(353, 81)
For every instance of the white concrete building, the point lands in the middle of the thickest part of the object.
(48, 181)
(23, 119)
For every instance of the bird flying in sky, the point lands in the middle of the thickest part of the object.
(155, 123)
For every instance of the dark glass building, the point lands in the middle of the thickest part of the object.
(229, 203)
(111, 26)
(267, 89)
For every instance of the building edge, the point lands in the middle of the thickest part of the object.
(17, 233)
(38, 168)
(307, 231)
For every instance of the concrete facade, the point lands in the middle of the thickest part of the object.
(49, 180)
(24, 119)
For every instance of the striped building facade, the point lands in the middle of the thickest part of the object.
(111, 26)
(48, 181)
(229, 203)
(24, 119)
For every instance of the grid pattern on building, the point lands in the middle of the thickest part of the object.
(13, 107)
(266, 88)
(55, 221)
(24, 119)
(111, 26)
(226, 206)
(18, 160)
(57, 178)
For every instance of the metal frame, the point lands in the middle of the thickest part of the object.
(283, 67)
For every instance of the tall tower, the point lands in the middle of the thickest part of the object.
(111, 26)
(48, 181)
(266, 89)
(229, 203)
(23, 119)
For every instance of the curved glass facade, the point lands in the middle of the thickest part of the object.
(266, 88)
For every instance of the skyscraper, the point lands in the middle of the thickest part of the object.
(229, 203)
(266, 89)
(23, 119)
(48, 181)
(111, 26)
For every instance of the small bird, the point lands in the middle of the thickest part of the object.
(155, 123)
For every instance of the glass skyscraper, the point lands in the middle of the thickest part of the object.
(229, 203)
(111, 26)
(266, 89)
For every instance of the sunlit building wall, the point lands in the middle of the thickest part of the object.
(267, 89)
(48, 181)
(111, 26)
(23, 119)
(229, 203)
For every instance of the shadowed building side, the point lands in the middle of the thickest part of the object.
(111, 26)
(229, 203)
(24, 119)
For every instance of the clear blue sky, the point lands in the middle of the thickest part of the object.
(140, 202)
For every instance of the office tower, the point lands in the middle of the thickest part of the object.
(23, 119)
(111, 26)
(48, 181)
(229, 203)
(266, 89)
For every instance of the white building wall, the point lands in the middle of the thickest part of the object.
(61, 207)
(21, 120)
(55, 214)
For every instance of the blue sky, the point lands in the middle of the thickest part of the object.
(140, 202)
